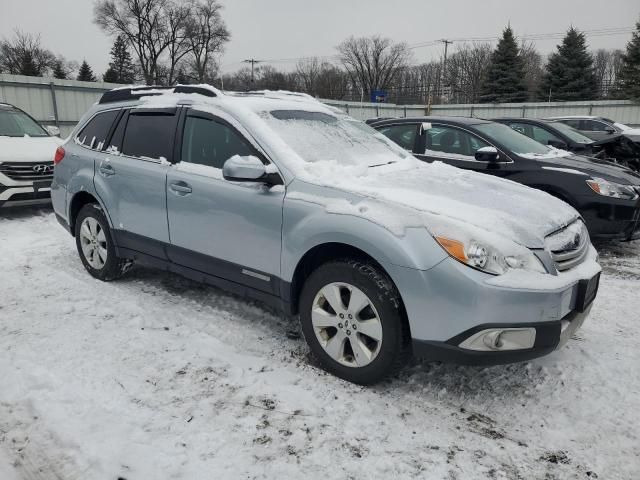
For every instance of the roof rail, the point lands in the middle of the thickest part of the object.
(133, 93)
(275, 94)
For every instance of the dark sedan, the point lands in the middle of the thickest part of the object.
(617, 148)
(606, 195)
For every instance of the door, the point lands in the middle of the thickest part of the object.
(227, 229)
(131, 178)
(456, 146)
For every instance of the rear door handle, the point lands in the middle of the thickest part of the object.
(181, 188)
(107, 170)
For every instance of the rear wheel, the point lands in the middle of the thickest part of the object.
(352, 319)
(95, 244)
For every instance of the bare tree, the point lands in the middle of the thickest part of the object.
(143, 23)
(207, 34)
(533, 68)
(466, 71)
(178, 17)
(606, 65)
(373, 63)
(24, 55)
(308, 71)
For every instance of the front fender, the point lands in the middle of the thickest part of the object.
(307, 225)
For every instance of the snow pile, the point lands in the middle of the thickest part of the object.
(154, 376)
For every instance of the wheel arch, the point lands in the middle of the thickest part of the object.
(79, 200)
(326, 252)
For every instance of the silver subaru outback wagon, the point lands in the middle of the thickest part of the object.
(278, 197)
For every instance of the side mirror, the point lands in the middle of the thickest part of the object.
(52, 130)
(610, 130)
(558, 144)
(487, 154)
(248, 169)
(424, 126)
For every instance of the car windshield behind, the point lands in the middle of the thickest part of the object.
(517, 143)
(573, 134)
(14, 123)
(320, 137)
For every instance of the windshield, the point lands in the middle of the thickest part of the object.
(573, 134)
(14, 123)
(320, 137)
(510, 139)
(622, 126)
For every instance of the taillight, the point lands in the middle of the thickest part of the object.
(58, 156)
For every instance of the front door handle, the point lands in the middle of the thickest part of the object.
(181, 188)
(107, 170)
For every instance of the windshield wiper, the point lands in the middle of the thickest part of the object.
(382, 164)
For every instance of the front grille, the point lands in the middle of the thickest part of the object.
(27, 171)
(569, 246)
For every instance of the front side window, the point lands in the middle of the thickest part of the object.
(452, 141)
(593, 126)
(403, 135)
(573, 123)
(94, 134)
(149, 135)
(14, 123)
(543, 136)
(511, 140)
(208, 142)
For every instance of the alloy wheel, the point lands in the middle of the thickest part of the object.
(93, 242)
(346, 324)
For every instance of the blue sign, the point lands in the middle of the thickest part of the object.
(378, 96)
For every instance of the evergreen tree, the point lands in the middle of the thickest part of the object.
(629, 77)
(86, 73)
(505, 76)
(121, 68)
(59, 71)
(569, 74)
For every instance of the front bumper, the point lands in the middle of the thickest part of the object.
(24, 195)
(449, 303)
(611, 218)
(549, 337)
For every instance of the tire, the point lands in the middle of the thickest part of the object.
(95, 245)
(347, 346)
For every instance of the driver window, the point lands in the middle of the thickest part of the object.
(210, 143)
(543, 136)
(593, 126)
(451, 141)
(403, 135)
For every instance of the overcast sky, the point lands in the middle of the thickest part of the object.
(285, 29)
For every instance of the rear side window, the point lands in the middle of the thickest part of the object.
(149, 135)
(210, 143)
(94, 134)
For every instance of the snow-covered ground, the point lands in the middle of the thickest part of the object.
(157, 377)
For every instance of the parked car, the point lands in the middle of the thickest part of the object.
(615, 148)
(606, 195)
(278, 197)
(26, 158)
(598, 128)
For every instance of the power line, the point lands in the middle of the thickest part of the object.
(432, 43)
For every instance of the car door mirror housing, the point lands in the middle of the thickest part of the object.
(610, 130)
(424, 126)
(558, 144)
(52, 130)
(248, 169)
(487, 154)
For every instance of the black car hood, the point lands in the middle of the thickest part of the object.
(595, 168)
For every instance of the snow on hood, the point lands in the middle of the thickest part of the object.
(28, 149)
(441, 193)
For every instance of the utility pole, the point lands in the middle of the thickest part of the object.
(444, 63)
(253, 62)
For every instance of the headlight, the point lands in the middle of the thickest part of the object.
(487, 259)
(610, 189)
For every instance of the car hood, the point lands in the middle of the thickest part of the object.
(595, 168)
(438, 193)
(28, 149)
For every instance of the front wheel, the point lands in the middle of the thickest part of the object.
(352, 319)
(95, 244)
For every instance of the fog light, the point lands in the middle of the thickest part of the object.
(501, 339)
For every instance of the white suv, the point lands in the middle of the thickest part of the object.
(26, 158)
